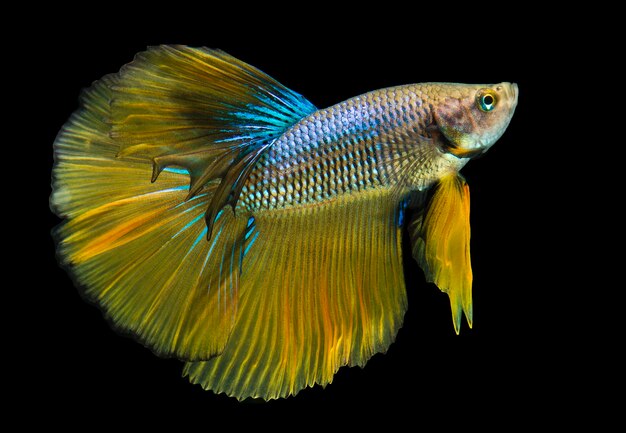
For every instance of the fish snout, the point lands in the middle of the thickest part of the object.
(510, 92)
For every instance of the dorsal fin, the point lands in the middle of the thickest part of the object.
(202, 110)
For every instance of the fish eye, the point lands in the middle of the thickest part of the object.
(486, 100)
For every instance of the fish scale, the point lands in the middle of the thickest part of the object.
(339, 150)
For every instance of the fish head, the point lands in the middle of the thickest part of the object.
(473, 117)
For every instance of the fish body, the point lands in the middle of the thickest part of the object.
(356, 145)
(223, 220)
(353, 146)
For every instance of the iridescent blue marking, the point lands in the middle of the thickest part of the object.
(176, 170)
(198, 239)
(177, 188)
(401, 210)
(215, 239)
(192, 222)
(195, 197)
(189, 224)
(292, 102)
(219, 214)
(251, 242)
(191, 208)
(208, 254)
(271, 116)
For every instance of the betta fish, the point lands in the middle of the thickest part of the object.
(220, 218)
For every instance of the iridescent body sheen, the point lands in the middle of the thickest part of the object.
(353, 146)
(222, 219)
(359, 144)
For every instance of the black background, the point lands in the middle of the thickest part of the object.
(495, 367)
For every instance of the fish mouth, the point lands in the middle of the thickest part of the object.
(511, 91)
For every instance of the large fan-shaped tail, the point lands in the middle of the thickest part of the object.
(197, 119)
(138, 248)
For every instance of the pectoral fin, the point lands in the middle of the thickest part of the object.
(440, 237)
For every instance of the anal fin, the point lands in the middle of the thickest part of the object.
(322, 287)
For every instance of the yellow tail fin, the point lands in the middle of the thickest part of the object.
(138, 248)
(151, 151)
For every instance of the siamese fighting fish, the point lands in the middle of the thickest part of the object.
(222, 219)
